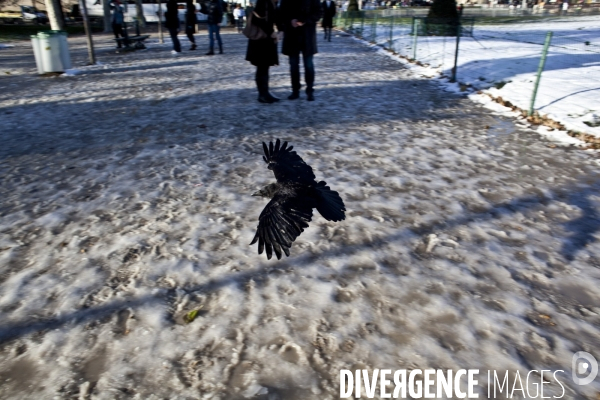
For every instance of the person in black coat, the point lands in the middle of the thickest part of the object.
(262, 53)
(328, 14)
(190, 22)
(172, 24)
(214, 10)
(299, 21)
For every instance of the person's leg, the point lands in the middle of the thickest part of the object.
(211, 39)
(175, 39)
(271, 98)
(295, 76)
(116, 32)
(258, 79)
(218, 32)
(309, 75)
(177, 42)
(189, 31)
(262, 74)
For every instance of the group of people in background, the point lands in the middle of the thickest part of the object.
(293, 21)
(239, 15)
(214, 12)
(296, 23)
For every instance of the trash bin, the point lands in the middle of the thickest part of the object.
(35, 43)
(64, 50)
(51, 51)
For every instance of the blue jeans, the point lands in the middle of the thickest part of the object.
(212, 30)
(309, 72)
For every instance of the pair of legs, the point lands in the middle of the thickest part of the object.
(175, 39)
(262, 84)
(118, 31)
(189, 31)
(214, 29)
(327, 30)
(240, 24)
(309, 74)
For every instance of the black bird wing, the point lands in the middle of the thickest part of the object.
(280, 223)
(286, 164)
(329, 203)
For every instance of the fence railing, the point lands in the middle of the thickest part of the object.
(487, 56)
(492, 12)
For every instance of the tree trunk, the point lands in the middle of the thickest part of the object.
(160, 14)
(443, 9)
(88, 33)
(107, 16)
(139, 11)
(54, 15)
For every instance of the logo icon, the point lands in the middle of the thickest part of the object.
(584, 363)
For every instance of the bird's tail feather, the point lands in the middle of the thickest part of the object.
(330, 204)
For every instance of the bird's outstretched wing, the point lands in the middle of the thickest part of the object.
(280, 223)
(286, 164)
(329, 204)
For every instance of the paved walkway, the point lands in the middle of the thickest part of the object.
(125, 203)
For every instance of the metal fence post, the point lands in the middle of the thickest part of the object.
(391, 33)
(415, 33)
(453, 78)
(539, 72)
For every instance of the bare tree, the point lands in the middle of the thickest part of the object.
(57, 23)
(443, 9)
(8, 3)
(139, 11)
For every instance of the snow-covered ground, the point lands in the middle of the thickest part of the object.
(125, 203)
(502, 60)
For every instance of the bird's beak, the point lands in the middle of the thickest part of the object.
(256, 194)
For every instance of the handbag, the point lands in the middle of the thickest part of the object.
(251, 31)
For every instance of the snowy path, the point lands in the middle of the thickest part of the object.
(125, 203)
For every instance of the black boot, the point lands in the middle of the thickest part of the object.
(210, 52)
(267, 94)
(262, 84)
(220, 49)
(264, 99)
(193, 46)
(272, 98)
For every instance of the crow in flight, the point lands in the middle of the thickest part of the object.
(293, 197)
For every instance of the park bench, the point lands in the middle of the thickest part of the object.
(137, 41)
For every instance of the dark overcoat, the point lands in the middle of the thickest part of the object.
(214, 11)
(172, 15)
(263, 52)
(190, 17)
(302, 38)
(328, 14)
